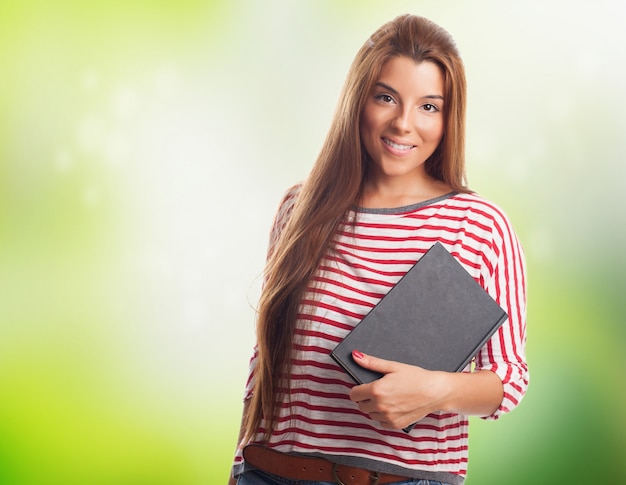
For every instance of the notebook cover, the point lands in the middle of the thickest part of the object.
(436, 317)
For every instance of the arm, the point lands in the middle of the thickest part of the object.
(406, 394)
(232, 480)
(280, 220)
(505, 353)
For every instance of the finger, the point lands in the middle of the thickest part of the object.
(374, 363)
(376, 416)
(361, 395)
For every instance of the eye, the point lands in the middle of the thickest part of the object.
(431, 108)
(384, 98)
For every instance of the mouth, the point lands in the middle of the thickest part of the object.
(397, 146)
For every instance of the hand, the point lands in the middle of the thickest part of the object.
(404, 395)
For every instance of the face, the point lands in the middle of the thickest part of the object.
(402, 120)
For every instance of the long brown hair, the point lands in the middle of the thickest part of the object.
(334, 186)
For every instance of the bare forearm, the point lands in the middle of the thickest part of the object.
(472, 394)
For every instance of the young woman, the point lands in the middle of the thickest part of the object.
(389, 183)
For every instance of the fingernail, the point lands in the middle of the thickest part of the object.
(357, 355)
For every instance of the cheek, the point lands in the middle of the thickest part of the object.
(368, 129)
(435, 131)
(364, 127)
(368, 121)
(439, 135)
(365, 132)
(367, 137)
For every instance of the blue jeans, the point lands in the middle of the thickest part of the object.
(262, 478)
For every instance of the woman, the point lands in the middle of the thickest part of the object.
(389, 183)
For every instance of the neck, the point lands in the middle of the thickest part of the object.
(389, 192)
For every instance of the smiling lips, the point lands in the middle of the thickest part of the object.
(397, 146)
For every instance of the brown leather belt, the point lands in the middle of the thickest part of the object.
(295, 467)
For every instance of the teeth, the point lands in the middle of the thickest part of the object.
(396, 146)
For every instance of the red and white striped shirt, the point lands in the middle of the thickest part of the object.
(365, 263)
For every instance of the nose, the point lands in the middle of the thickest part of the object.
(402, 121)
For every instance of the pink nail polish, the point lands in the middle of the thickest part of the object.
(357, 355)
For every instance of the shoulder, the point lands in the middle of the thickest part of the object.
(288, 201)
(285, 209)
(489, 222)
(478, 207)
(478, 203)
(290, 196)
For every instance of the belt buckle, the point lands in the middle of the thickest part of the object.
(375, 477)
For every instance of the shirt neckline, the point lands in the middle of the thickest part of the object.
(406, 208)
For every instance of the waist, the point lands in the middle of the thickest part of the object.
(295, 467)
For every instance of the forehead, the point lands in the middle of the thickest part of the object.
(408, 77)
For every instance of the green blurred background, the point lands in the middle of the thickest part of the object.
(144, 146)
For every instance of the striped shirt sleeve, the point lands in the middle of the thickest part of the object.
(505, 353)
(280, 220)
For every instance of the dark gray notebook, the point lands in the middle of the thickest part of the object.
(436, 317)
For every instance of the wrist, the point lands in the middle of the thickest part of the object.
(447, 401)
(470, 393)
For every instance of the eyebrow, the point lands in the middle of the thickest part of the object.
(393, 91)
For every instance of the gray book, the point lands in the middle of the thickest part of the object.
(436, 317)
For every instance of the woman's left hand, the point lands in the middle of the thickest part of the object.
(404, 395)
